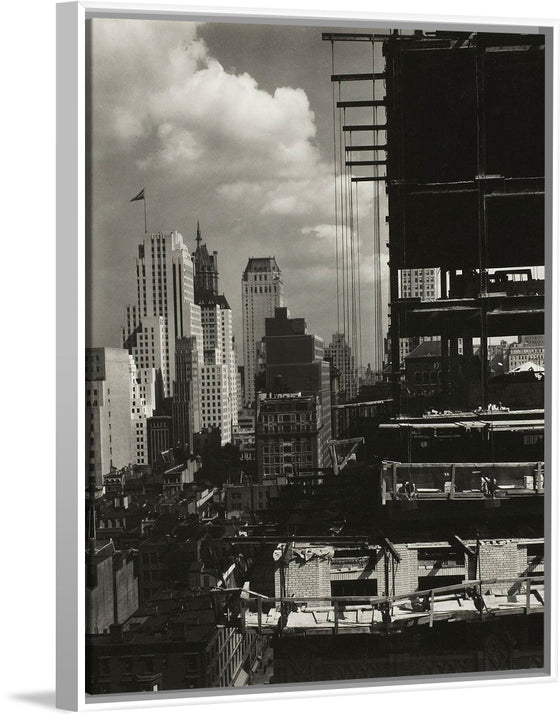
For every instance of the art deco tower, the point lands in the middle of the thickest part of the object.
(218, 384)
(165, 309)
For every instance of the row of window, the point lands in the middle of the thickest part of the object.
(432, 377)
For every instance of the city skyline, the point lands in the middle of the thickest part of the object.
(398, 518)
(229, 126)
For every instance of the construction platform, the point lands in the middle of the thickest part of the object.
(471, 600)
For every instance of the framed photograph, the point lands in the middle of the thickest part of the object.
(304, 353)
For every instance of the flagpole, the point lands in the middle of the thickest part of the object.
(145, 219)
(142, 197)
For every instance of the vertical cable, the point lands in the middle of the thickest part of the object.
(346, 293)
(342, 218)
(359, 355)
(335, 193)
(352, 265)
(376, 237)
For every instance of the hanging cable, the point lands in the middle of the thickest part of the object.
(352, 271)
(359, 355)
(342, 216)
(377, 321)
(346, 243)
(336, 239)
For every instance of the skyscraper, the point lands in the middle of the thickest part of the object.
(340, 354)
(294, 419)
(165, 307)
(218, 374)
(108, 412)
(205, 269)
(186, 393)
(262, 293)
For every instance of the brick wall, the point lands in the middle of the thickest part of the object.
(305, 579)
(499, 560)
(405, 573)
(522, 566)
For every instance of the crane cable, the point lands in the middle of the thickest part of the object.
(335, 194)
(377, 286)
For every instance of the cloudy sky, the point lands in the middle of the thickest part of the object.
(231, 125)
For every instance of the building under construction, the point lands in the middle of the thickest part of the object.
(465, 167)
(421, 551)
(400, 533)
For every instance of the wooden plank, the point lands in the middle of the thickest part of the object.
(391, 548)
(463, 546)
(378, 599)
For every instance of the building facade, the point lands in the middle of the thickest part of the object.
(108, 412)
(160, 435)
(165, 308)
(295, 363)
(298, 396)
(423, 369)
(341, 357)
(289, 435)
(423, 283)
(218, 384)
(111, 586)
(186, 393)
(143, 401)
(261, 293)
(171, 653)
(526, 351)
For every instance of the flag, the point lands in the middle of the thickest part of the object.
(139, 197)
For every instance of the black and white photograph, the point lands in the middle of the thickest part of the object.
(315, 357)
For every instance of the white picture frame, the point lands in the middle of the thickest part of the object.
(71, 310)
